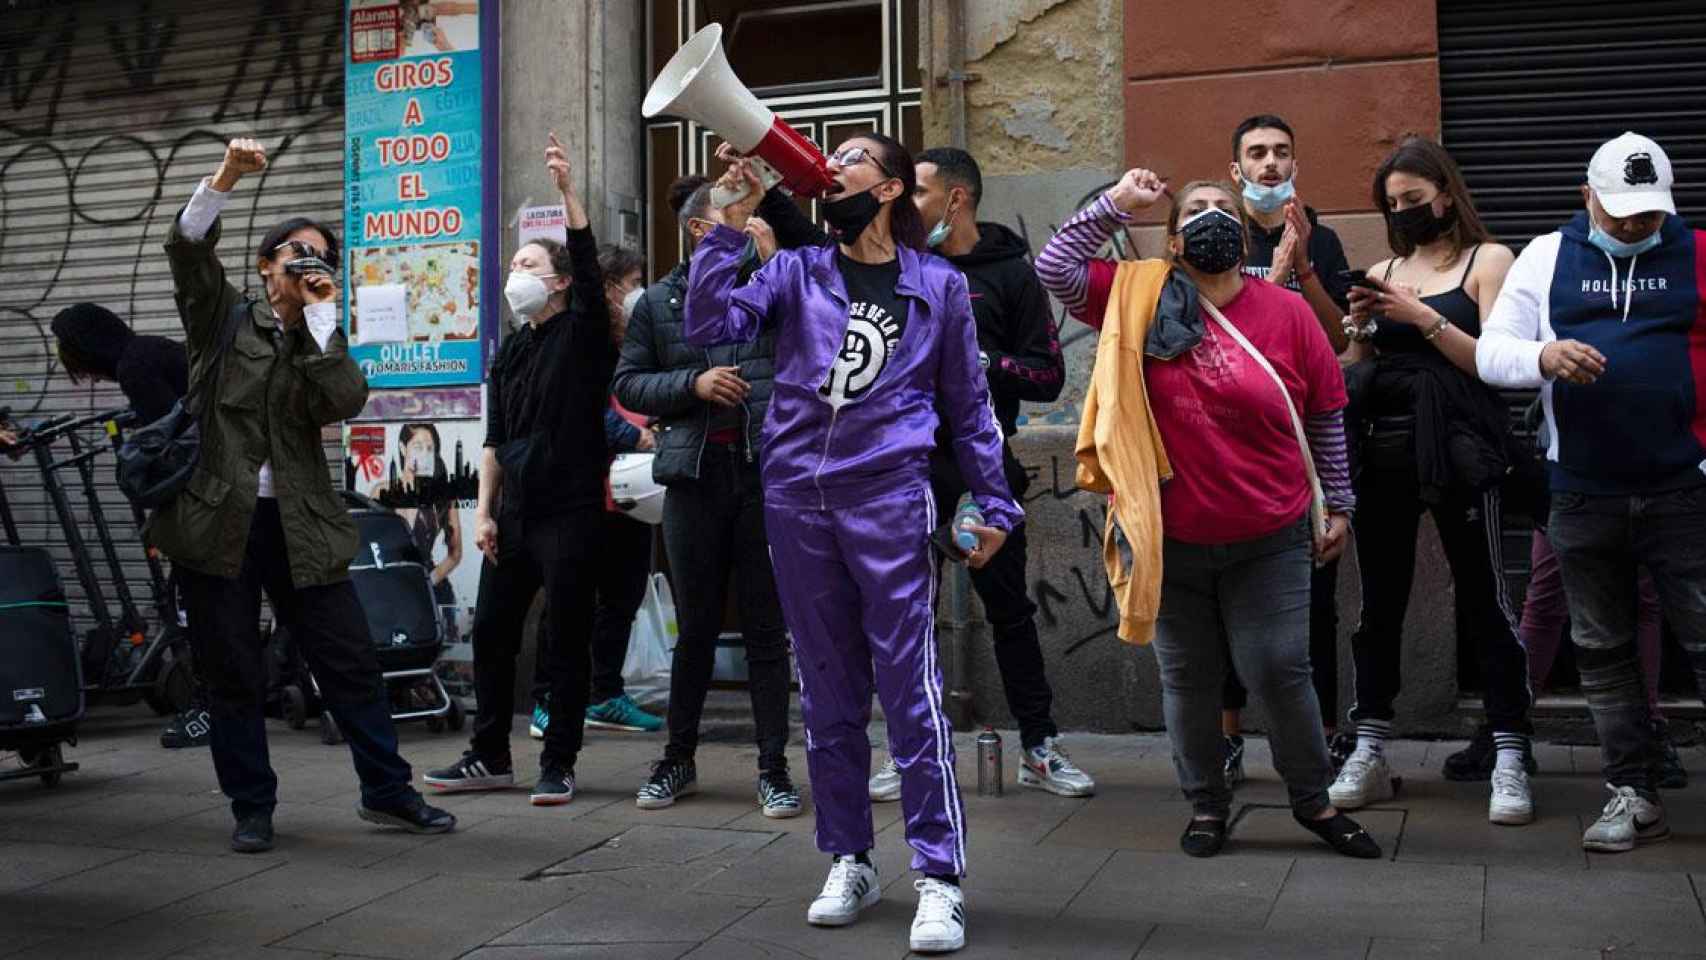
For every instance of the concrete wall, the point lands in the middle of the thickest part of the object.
(577, 67)
(1068, 94)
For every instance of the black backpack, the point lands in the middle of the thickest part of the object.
(155, 461)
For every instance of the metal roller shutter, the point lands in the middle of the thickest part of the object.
(110, 115)
(1529, 88)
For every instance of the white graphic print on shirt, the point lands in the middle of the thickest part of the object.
(869, 342)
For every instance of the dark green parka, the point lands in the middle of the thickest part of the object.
(277, 390)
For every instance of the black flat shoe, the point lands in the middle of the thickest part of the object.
(414, 815)
(1203, 838)
(253, 834)
(1344, 835)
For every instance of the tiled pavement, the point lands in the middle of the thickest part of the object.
(127, 858)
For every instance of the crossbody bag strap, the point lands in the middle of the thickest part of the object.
(227, 335)
(1318, 499)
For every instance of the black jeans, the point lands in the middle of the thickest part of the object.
(712, 526)
(1323, 649)
(1389, 508)
(328, 624)
(1007, 604)
(1600, 540)
(558, 553)
(624, 565)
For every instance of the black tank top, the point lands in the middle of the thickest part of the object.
(1455, 305)
(1392, 393)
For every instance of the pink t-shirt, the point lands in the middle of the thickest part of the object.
(1237, 471)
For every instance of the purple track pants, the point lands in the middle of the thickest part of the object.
(858, 589)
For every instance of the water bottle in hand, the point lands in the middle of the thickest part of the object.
(968, 517)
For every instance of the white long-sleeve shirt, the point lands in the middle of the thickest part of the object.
(322, 318)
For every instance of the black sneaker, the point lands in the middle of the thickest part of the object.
(414, 815)
(670, 781)
(1475, 762)
(1344, 835)
(1203, 838)
(556, 787)
(253, 834)
(777, 796)
(1668, 772)
(190, 728)
(472, 772)
(1340, 748)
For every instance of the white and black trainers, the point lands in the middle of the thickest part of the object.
(852, 886)
(670, 781)
(556, 787)
(1628, 819)
(884, 786)
(939, 926)
(472, 772)
(777, 797)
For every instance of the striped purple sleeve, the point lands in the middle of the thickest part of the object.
(1063, 266)
(1326, 433)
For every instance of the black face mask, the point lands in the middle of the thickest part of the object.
(1418, 225)
(1214, 241)
(849, 216)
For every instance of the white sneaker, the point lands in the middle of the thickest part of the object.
(885, 783)
(939, 926)
(1365, 779)
(1511, 803)
(1047, 767)
(1629, 819)
(851, 887)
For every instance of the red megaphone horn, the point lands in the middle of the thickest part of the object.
(697, 84)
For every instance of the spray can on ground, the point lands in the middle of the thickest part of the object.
(989, 763)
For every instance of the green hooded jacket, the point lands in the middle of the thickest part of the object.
(277, 389)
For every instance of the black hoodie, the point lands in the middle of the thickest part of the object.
(152, 371)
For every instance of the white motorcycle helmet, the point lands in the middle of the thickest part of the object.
(633, 489)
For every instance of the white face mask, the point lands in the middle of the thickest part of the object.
(632, 298)
(526, 293)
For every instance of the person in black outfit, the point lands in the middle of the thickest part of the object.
(154, 373)
(626, 545)
(1437, 440)
(710, 405)
(1022, 361)
(545, 455)
(1289, 246)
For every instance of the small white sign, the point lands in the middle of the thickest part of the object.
(547, 222)
(382, 314)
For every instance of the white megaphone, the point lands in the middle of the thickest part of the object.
(698, 85)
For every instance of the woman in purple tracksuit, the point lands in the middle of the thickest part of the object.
(873, 336)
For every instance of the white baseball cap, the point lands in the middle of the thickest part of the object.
(1631, 174)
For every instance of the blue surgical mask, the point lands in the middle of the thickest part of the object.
(1618, 248)
(1268, 199)
(940, 231)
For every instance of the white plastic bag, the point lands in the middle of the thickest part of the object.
(651, 644)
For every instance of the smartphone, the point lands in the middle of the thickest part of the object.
(1357, 278)
(942, 538)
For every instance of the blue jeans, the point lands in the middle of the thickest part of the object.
(1600, 540)
(1249, 600)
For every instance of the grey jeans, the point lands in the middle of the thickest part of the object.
(1250, 599)
(1600, 540)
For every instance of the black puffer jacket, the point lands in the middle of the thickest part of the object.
(655, 374)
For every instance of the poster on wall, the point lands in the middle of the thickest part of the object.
(413, 181)
(428, 473)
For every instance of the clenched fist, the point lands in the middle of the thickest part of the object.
(242, 156)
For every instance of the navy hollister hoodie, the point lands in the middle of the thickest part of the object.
(1640, 428)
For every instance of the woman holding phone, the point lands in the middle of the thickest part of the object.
(1437, 440)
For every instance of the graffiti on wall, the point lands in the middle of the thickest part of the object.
(1081, 594)
(109, 116)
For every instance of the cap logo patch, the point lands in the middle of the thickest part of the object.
(1638, 169)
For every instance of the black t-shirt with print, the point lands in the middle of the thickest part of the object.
(876, 318)
(1326, 257)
